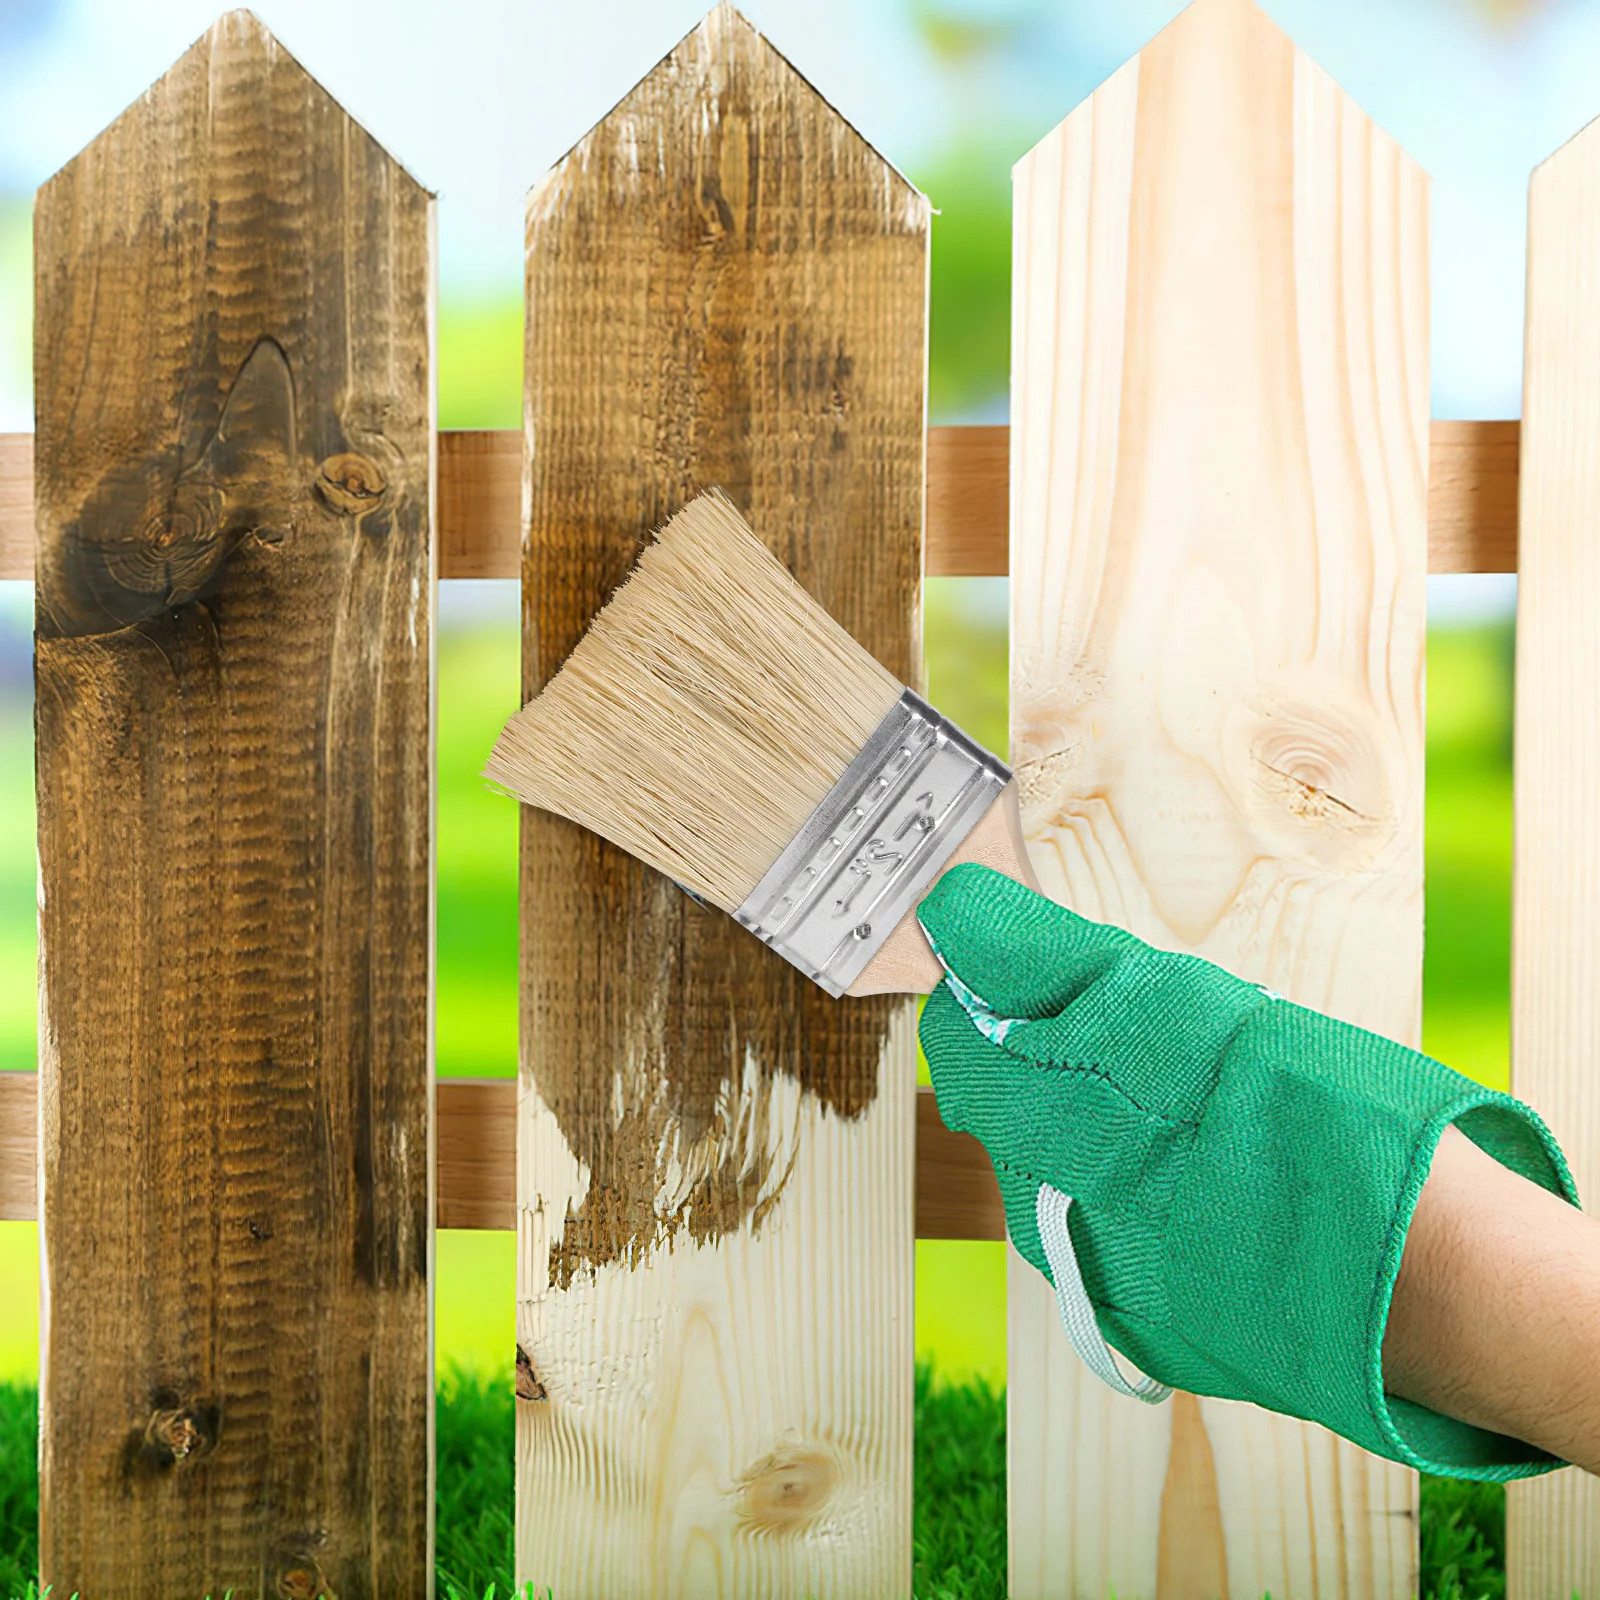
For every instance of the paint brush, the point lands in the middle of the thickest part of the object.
(717, 723)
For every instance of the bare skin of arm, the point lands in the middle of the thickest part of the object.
(1496, 1311)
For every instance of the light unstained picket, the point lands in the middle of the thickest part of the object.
(234, 632)
(727, 286)
(1219, 438)
(1553, 1523)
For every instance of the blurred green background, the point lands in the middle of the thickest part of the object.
(975, 82)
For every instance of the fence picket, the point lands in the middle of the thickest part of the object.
(1219, 437)
(726, 285)
(234, 483)
(1553, 1524)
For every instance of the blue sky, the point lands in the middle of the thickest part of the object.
(477, 97)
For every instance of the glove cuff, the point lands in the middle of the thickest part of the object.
(1290, 1220)
(1411, 1433)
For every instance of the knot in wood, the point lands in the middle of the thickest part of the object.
(176, 545)
(1312, 779)
(175, 1434)
(192, 520)
(788, 1489)
(351, 483)
(529, 1385)
(303, 1581)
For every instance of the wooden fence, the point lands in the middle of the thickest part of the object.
(1218, 500)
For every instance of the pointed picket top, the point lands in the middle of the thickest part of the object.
(723, 70)
(1239, 47)
(239, 160)
(1220, 103)
(1583, 146)
(236, 50)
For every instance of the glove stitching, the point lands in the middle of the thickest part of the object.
(1095, 1070)
(1091, 1069)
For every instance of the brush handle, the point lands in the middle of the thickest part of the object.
(904, 964)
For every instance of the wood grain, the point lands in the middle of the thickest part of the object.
(957, 1196)
(968, 473)
(477, 1139)
(1218, 488)
(1472, 501)
(480, 504)
(725, 286)
(16, 506)
(1472, 496)
(19, 1146)
(234, 489)
(1553, 1524)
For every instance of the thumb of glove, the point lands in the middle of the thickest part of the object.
(1022, 954)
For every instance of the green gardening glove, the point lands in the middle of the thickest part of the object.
(1240, 1172)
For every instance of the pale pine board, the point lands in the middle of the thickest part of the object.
(1553, 1524)
(725, 286)
(1219, 523)
(234, 499)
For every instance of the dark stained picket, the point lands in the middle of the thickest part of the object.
(234, 492)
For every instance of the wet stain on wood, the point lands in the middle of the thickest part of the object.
(726, 287)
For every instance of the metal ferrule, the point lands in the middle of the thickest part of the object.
(867, 854)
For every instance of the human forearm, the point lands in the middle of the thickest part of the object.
(1496, 1312)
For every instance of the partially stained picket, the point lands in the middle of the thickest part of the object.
(726, 286)
(1219, 433)
(235, 578)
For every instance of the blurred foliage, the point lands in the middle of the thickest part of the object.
(959, 1495)
(1467, 965)
(476, 1004)
(19, 1006)
(1463, 1539)
(969, 304)
(19, 1488)
(480, 364)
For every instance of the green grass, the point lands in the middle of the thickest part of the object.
(474, 1449)
(19, 1488)
(959, 1528)
(959, 1517)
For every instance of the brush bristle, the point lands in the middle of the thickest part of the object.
(704, 715)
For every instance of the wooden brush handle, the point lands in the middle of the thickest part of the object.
(905, 964)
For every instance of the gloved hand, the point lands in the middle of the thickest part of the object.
(1241, 1172)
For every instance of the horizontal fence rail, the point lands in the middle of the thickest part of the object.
(1472, 501)
(476, 1129)
(1472, 527)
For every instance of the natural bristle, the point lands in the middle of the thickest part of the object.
(708, 709)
